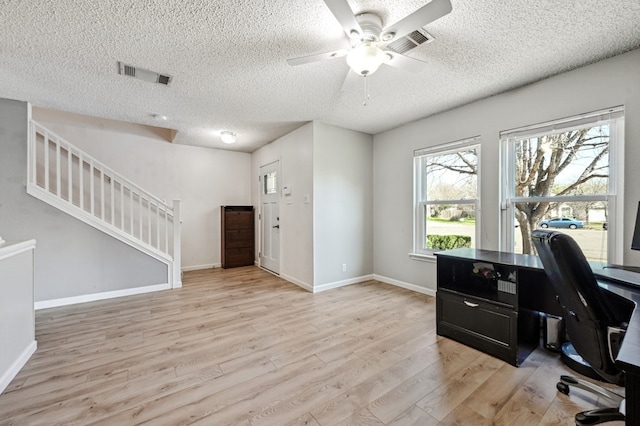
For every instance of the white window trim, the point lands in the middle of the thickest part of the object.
(419, 252)
(614, 198)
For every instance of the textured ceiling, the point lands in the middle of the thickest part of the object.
(228, 60)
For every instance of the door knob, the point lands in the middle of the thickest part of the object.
(276, 226)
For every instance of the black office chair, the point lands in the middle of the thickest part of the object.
(593, 320)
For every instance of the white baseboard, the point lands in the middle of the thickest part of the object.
(357, 280)
(99, 296)
(405, 285)
(297, 282)
(17, 365)
(336, 284)
(199, 267)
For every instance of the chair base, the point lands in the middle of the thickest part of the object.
(598, 415)
(571, 359)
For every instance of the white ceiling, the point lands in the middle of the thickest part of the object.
(228, 60)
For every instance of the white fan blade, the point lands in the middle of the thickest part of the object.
(343, 13)
(428, 13)
(405, 62)
(315, 58)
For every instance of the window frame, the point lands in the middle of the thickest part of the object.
(615, 192)
(421, 204)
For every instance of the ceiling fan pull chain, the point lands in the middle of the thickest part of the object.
(366, 91)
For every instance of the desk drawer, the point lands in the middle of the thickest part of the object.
(485, 326)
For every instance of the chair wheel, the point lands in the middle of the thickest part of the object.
(562, 387)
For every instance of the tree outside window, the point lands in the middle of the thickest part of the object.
(447, 196)
(555, 175)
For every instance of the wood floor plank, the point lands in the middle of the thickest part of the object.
(363, 418)
(498, 389)
(241, 346)
(406, 394)
(305, 420)
(414, 416)
(538, 391)
(514, 414)
(445, 398)
(465, 415)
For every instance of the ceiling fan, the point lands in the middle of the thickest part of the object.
(369, 40)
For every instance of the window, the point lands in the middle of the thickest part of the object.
(562, 175)
(446, 198)
(270, 183)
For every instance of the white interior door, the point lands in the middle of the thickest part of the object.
(270, 217)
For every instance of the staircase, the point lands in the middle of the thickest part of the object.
(65, 177)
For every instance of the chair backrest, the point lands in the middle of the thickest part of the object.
(587, 313)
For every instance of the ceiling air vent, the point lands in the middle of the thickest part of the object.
(129, 70)
(410, 41)
(142, 74)
(164, 79)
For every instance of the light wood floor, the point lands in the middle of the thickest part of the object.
(242, 347)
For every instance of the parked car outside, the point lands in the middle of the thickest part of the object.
(561, 222)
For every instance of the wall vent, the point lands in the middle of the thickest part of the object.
(142, 74)
(129, 70)
(164, 79)
(411, 41)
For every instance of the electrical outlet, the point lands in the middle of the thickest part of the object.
(344, 267)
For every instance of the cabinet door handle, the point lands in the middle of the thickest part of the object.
(471, 305)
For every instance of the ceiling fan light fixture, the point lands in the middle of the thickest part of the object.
(228, 137)
(365, 59)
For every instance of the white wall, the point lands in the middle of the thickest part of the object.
(333, 166)
(17, 322)
(295, 153)
(343, 207)
(202, 178)
(612, 82)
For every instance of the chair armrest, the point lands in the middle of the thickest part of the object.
(615, 335)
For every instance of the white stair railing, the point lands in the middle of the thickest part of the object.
(64, 176)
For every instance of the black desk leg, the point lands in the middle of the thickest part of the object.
(632, 392)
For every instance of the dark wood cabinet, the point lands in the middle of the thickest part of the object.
(237, 236)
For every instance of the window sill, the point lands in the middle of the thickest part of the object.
(423, 257)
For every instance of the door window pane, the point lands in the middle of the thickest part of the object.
(270, 183)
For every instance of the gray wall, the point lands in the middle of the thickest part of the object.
(295, 153)
(72, 258)
(17, 325)
(343, 208)
(612, 82)
(203, 179)
(334, 167)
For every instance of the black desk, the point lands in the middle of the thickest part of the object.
(529, 290)
(616, 281)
